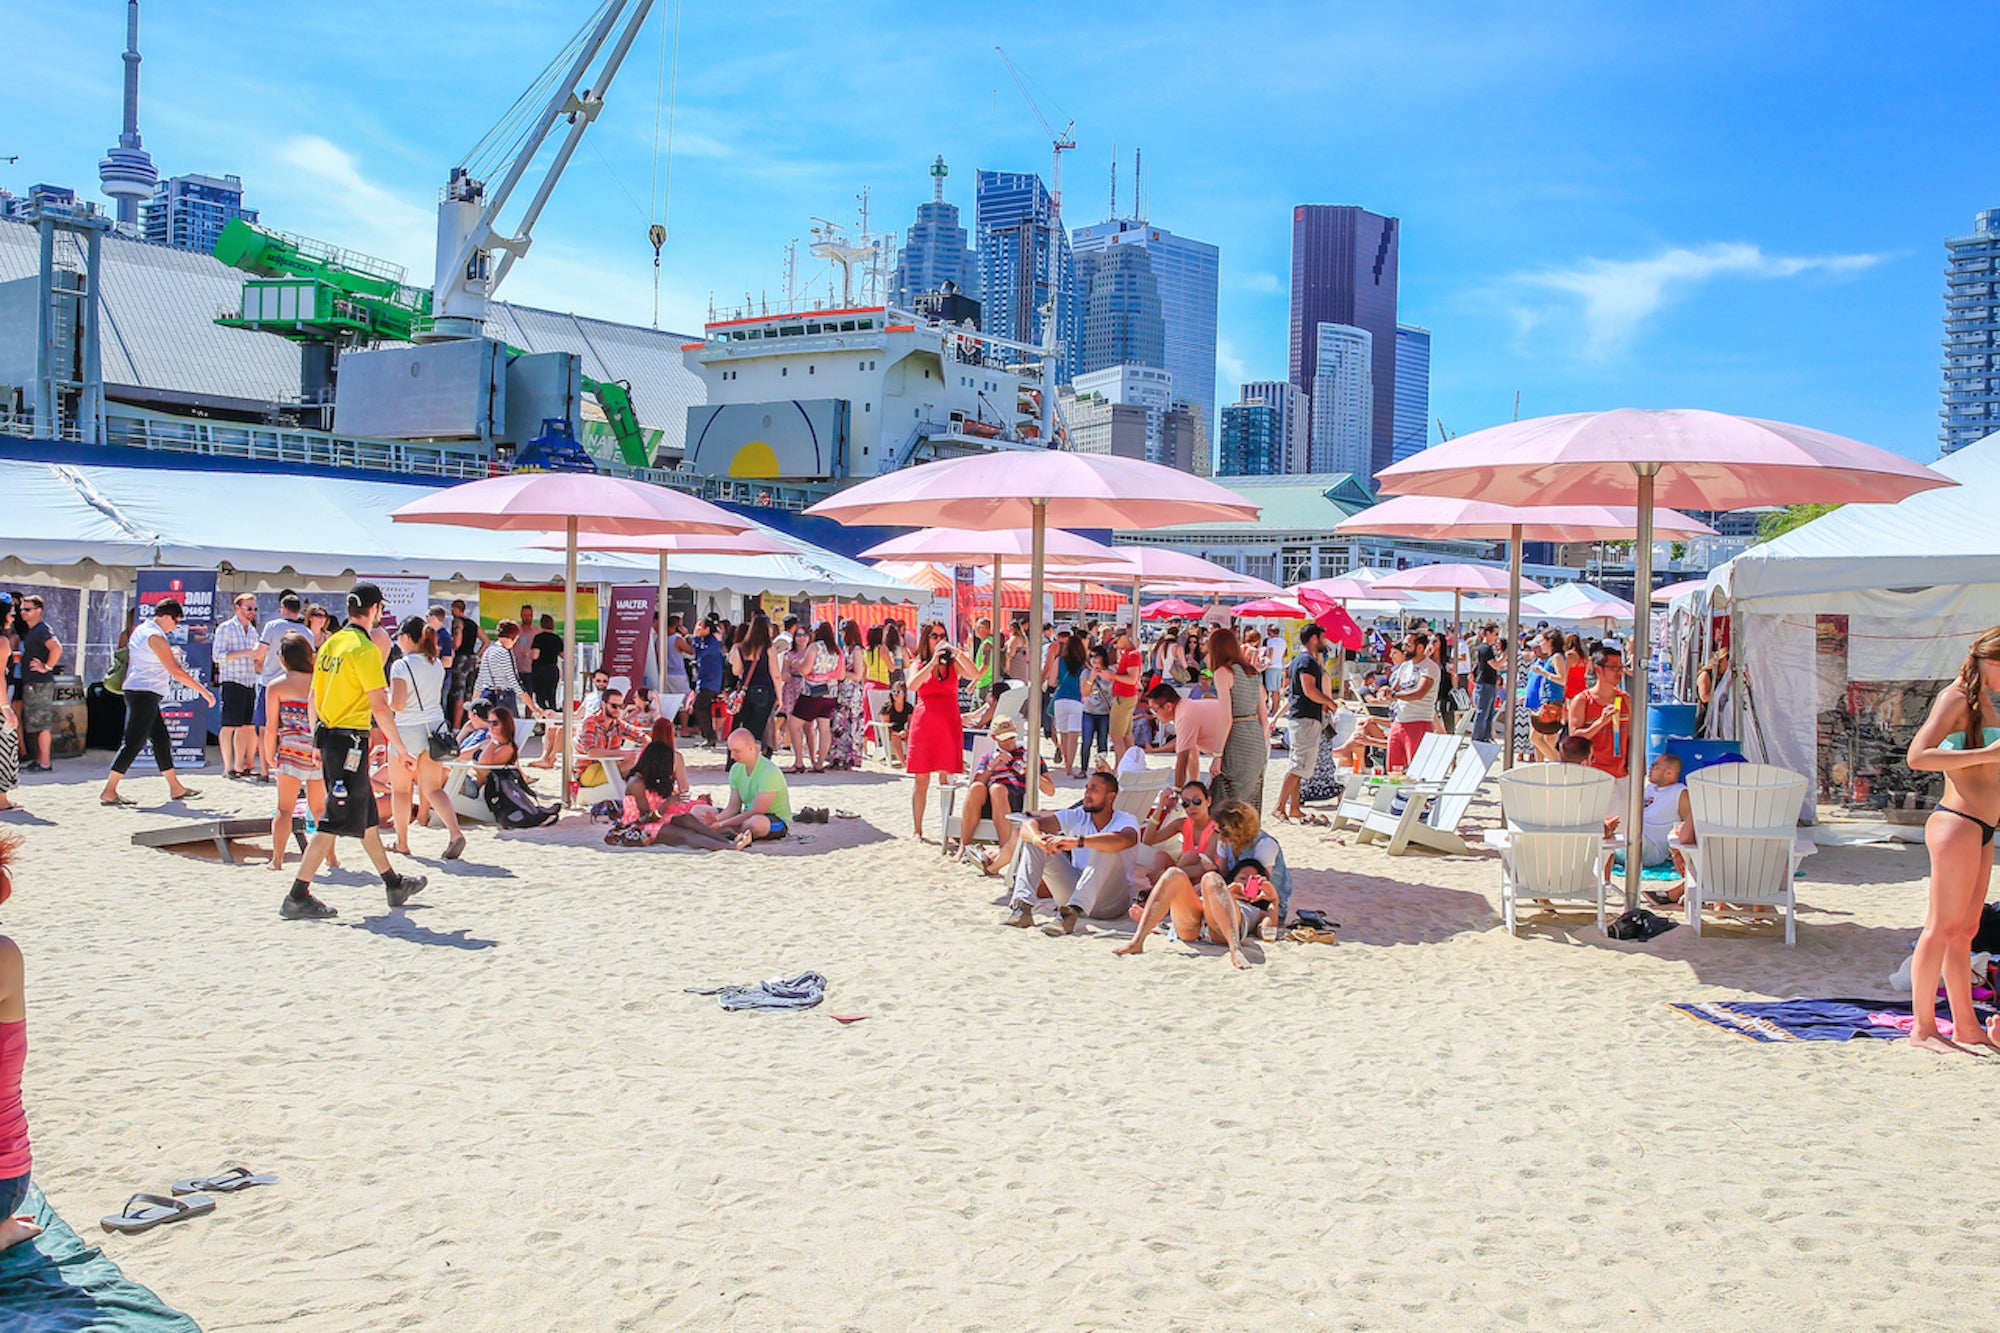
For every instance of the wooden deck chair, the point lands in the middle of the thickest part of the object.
(1746, 849)
(1553, 845)
(1429, 816)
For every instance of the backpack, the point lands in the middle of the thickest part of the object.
(513, 803)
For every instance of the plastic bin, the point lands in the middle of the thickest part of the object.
(1697, 755)
(1664, 723)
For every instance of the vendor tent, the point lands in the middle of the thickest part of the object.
(1849, 625)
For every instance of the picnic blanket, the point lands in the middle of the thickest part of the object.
(800, 992)
(55, 1281)
(1810, 1020)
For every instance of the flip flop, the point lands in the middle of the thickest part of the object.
(847, 814)
(188, 794)
(117, 801)
(157, 1210)
(226, 1181)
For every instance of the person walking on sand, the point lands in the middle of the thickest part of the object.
(1960, 739)
(288, 740)
(417, 685)
(154, 671)
(349, 692)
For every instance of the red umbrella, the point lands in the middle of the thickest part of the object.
(1687, 458)
(1268, 608)
(1331, 616)
(1173, 608)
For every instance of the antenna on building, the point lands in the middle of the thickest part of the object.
(1114, 182)
(1517, 404)
(1138, 184)
(938, 172)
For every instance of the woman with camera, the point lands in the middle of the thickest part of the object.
(937, 728)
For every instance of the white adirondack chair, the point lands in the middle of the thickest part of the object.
(1429, 767)
(1553, 846)
(1746, 849)
(876, 730)
(1429, 816)
(1138, 791)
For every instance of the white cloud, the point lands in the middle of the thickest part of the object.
(1617, 296)
(328, 196)
(1253, 281)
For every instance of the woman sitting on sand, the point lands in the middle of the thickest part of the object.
(1229, 903)
(1961, 739)
(1195, 827)
(16, 1159)
(659, 812)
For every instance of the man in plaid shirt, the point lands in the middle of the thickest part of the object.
(236, 646)
(606, 733)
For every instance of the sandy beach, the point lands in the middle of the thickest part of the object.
(498, 1109)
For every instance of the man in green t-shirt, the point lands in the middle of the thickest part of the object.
(760, 805)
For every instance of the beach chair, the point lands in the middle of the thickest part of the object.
(1429, 767)
(463, 790)
(1747, 848)
(1138, 791)
(1429, 816)
(875, 730)
(1553, 844)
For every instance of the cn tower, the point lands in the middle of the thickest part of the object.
(126, 171)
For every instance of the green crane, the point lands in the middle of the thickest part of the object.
(325, 298)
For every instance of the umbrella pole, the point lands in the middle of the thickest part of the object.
(1638, 680)
(663, 635)
(1135, 608)
(568, 696)
(1512, 674)
(993, 645)
(1034, 797)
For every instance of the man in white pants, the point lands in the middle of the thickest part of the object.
(1081, 853)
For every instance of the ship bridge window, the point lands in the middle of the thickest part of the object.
(790, 331)
(867, 324)
(847, 326)
(812, 370)
(784, 370)
(812, 328)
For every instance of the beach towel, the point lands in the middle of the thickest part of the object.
(800, 992)
(55, 1281)
(1810, 1020)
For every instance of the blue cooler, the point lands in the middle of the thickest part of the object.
(1665, 723)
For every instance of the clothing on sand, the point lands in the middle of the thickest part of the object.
(800, 992)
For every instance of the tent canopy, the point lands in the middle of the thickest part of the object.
(60, 514)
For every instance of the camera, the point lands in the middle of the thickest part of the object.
(944, 657)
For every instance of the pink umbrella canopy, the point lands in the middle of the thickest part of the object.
(1331, 616)
(1663, 595)
(1005, 489)
(1453, 578)
(980, 546)
(1268, 608)
(1173, 608)
(1445, 516)
(538, 501)
(751, 541)
(1343, 589)
(1591, 610)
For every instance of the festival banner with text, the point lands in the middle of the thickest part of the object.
(628, 630)
(187, 717)
(505, 601)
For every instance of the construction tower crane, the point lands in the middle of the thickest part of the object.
(1058, 143)
(485, 179)
(1052, 347)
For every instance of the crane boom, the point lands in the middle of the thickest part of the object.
(1059, 143)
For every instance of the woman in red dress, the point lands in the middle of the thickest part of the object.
(937, 729)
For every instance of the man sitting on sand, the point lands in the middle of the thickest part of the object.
(760, 805)
(1082, 852)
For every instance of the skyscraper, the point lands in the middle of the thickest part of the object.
(1343, 401)
(189, 212)
(1294, 419)
(1413, 390)
(1122, 324)
(1344, 265)
(1972, 334)
(936, 251)
(1186, 273)
(1253, 441)
(1024, 262)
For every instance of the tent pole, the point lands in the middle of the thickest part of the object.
(1513, 646)
(1638, 680)
(568, 697)
(1034, 797)
(660, 676)
(994, 621)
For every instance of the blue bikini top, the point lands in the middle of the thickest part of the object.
(1956, 741)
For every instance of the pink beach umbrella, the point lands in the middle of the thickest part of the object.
(1688, 458)
(1037, 489)
(1452, 578)
(1173, 608)
(539, 501)
(1437, 516)
(1267, 608)
(751, 541)
(1667, 592)
(969, 546)
(1342, 589)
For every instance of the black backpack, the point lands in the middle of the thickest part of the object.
(513, 802)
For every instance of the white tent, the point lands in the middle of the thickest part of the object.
(1846, 625)
(62, 514)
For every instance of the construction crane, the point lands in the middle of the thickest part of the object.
(1058, 143)
(1052, 349)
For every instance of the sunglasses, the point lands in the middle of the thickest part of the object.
(1190, 802)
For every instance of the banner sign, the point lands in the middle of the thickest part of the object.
(402, 597)
(504, 601)
(629, 631)
(961, 604)
(187, 717)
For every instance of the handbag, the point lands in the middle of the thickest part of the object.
(439, 741)
(121, 662)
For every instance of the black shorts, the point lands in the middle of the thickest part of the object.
(239, 704)
(350, 800)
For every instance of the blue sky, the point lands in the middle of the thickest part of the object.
(1737, 206)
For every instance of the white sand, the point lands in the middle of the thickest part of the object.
(500, 1111)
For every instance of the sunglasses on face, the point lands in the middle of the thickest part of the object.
(1190, 802)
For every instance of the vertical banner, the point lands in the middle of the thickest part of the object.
(961, 603)
(187, 717)
(628, 631)
(402, 597)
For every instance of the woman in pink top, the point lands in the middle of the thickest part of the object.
(15, 1162)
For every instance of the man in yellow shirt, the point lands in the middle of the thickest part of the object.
(349, 694)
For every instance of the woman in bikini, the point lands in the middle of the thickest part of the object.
(288, 735)
(1960, 739)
